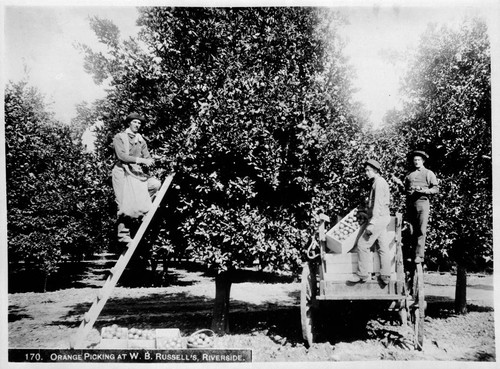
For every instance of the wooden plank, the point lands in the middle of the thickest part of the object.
(321, 287)
(341, 268)
(345, 263)
(345, 276)
(399, 255)
(338, 297)
(370, 288)
(348, 258)
(337, 276)
(353, 267)
(91, 316)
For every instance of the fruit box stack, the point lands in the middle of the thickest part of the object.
(114, 337)
(342, 237)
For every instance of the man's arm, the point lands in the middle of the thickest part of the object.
(432, 183)
(397, 181)
(380, 200)
(402, 186)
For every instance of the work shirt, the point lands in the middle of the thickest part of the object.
(378, 201)
(423, 178)
(137, 147)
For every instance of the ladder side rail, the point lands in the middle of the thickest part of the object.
(91, 316)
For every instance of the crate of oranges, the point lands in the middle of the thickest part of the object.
(141, 338)
(114, 337)
(343, 236)
(169, 339)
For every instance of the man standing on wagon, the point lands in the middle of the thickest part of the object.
(378, 218)
(419, 185)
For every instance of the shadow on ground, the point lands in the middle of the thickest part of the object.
(16, 313)
(335, 322)
(93, 273)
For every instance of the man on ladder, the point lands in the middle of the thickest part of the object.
(133, 190)
(130, 184)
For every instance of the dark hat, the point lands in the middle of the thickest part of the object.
(133, 116)
(423, 154)
(374, 164)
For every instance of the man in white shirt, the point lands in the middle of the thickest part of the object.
(378, 218)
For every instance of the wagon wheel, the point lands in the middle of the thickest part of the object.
(404, 312)
(418, 308)
(403, 315)
(401, 283)
(307, 302)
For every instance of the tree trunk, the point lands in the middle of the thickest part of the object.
(165, 264)
(461, 290)
(46, 277)
(220, 321)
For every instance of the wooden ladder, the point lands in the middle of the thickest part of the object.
(91, 316)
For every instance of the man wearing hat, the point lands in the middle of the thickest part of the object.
(131, 152)
(419, 185)
(378, 218)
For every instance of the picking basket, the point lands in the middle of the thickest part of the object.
(202, 338)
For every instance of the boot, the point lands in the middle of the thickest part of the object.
(123, 233)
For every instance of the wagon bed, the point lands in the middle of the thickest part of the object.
(325, 278)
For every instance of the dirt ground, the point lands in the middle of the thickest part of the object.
(264, 317)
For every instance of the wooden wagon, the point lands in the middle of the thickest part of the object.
(325, 278)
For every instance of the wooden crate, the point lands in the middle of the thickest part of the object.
(345, 276)
(342, 290)
(165, 337)
(141, 344)
(113, 343)
(341, 266)
(143, 339)
(345, 245)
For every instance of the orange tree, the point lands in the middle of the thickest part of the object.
(54, 203)
(344, 185)
(240, 102)
(448, 113)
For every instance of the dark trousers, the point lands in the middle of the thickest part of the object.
(418, 216)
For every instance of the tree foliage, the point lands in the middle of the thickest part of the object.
(448, 113)
(54, 192)
(242, 102)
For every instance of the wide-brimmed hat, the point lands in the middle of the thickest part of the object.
(374, 164)
(133, 116)
(420, 153)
